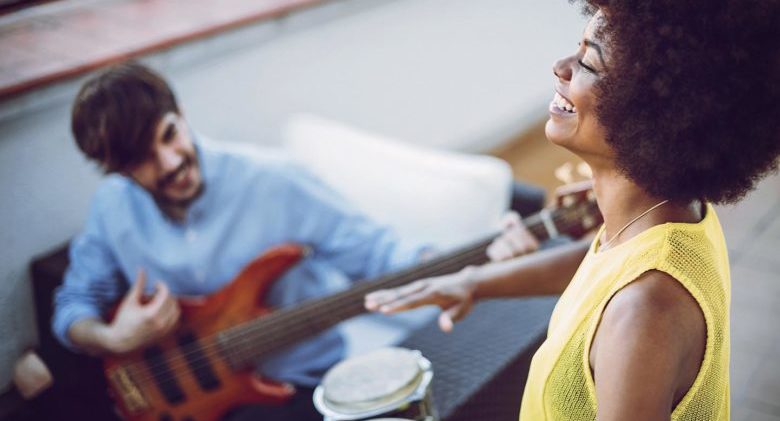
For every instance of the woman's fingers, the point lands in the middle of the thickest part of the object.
(408, 302)
(382, 297)
(449, 316)
(452, 293)
(416, 294)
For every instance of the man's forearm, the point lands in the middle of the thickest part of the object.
(93, 336)
(542, 273)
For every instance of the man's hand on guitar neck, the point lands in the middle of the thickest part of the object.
(455, 293)
(515, 239)
(138, 321)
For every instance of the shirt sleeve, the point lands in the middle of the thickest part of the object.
(342, 235)
(91, 282)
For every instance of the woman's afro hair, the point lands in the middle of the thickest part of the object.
(690, 99)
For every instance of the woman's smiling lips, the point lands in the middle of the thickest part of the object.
(560, 105)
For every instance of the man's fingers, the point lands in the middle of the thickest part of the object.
(171, 307)
(170, 310)
(162, 297)
(137, 289)
(516, 242)
(521, 241)
(572, 188)
(171, 319)
(515, 239)
(163, 316)
(510, 220)
(498, 250)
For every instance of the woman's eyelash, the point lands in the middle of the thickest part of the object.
(585, 66)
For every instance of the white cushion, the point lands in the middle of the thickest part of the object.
(441, 197)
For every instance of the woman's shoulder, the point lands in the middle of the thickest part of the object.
(655, 299)
(652, 329)
(694, 254)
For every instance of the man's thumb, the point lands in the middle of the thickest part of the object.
(137, 290)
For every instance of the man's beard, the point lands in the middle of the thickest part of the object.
(171, 206)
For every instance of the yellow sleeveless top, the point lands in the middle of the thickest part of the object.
(560, 385)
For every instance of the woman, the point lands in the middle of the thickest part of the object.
(674, 105)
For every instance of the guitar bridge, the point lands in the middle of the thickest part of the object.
(127, 390)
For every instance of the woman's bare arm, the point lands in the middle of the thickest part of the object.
(544, 272)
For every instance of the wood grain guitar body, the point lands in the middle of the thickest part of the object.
(195, 373)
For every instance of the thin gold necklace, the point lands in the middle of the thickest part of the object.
(652, 208)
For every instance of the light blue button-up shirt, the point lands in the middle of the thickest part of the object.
(251, 202)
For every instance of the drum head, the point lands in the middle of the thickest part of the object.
(372, 380)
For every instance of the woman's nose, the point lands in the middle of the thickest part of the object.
(562, 69)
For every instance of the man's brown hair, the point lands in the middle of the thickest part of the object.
(116, 112)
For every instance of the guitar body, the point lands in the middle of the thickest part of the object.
(187, 376)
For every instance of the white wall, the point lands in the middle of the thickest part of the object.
(457, 74)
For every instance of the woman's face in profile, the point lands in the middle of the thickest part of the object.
(573, 123)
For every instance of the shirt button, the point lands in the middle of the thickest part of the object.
(191, 235)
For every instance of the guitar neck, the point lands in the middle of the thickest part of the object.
(244, 344)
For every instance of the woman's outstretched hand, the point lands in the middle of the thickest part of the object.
(453, 293)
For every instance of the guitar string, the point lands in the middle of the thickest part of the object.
(195, 356)
(175, 363)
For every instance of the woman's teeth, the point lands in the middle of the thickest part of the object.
(564, 104)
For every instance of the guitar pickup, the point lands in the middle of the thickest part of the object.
(129, 393)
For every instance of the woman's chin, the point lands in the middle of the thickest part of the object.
(558, 135)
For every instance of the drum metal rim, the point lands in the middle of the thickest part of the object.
(418, 395)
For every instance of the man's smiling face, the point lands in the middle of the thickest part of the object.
(170, 171)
